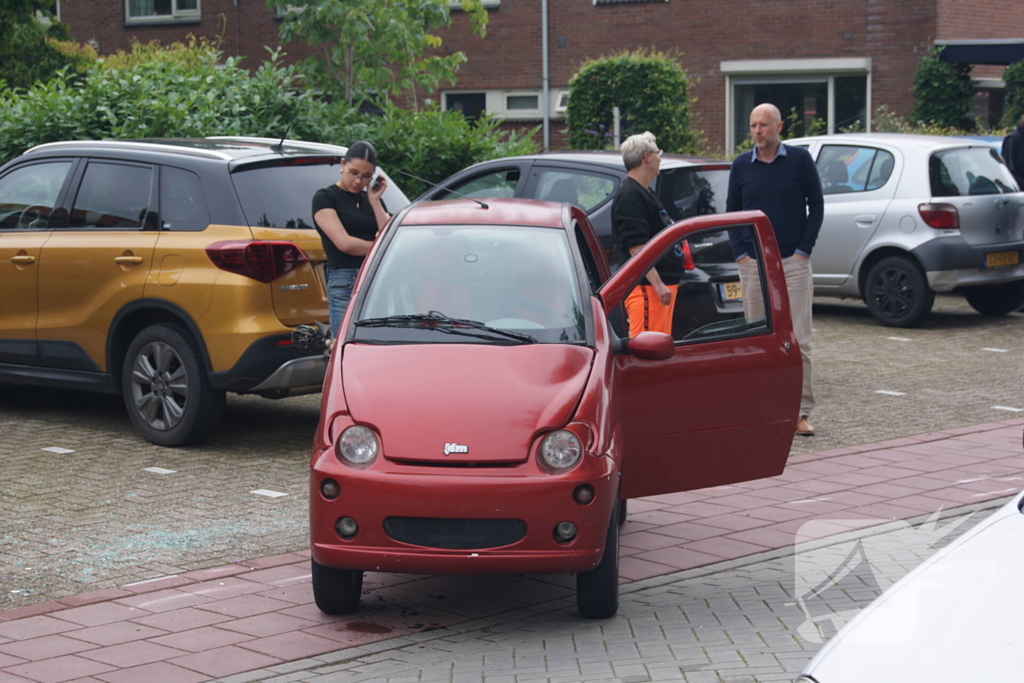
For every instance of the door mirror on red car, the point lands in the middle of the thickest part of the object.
(652, 346)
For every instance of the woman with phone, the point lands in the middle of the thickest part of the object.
(348, 215)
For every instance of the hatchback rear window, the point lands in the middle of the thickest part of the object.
(689, 192)
(969, 171)
(281, 196)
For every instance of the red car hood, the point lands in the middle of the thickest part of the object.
(463, 403)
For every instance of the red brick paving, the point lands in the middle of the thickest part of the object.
(226, 620)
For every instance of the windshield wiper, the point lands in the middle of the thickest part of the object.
(449, 325)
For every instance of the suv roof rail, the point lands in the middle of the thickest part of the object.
(317, 146)
(121, 144)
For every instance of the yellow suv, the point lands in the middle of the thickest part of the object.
(169, 271)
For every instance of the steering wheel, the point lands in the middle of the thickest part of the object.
(35, 217)
(499, 310)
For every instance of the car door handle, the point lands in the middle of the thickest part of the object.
(865, 219)
(1000, 202)
(23, 260)
(127, 260)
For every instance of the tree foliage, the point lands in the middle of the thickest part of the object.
(32, 47)
(1013, 77)
(375, 49)
(651, 90)
(943, 92)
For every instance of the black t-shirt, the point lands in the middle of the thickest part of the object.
(637, 216)
(356, 216)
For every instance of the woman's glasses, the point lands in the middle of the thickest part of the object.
(367, 177)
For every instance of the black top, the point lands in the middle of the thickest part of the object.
(787, 190)
(637, 216)
(356, 216)
(1013, 152)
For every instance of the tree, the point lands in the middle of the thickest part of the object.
(375, 48)
(943, 92)
(19, 29)
(651, 90)
(1013, 77)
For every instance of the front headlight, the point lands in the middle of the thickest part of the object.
(357, 446)
(561, 450)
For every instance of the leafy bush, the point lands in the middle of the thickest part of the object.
(944, 92)
(651, 90)
(433, 144)
(164, 97)
(1013, 77)
(35, 52)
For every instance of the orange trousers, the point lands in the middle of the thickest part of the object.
(646, 313)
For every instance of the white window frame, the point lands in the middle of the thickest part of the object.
(746, 71)
(496, 102)
(488, 4)
(175, 15)
(561, 101)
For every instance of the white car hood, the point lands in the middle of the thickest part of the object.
(956, 618)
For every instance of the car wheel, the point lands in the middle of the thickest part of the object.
(996, 299)
(166, 389)
(336, 591)
(897, 292)
(597, 591)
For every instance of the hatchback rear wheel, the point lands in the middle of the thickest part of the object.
(996, 299)
(165, 387)
(897, 292)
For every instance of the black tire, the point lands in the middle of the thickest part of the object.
(996, 299)
(336, 591)
(597, 591)
(897, 292)
(166, 389)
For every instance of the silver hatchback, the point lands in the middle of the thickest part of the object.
(907, 216)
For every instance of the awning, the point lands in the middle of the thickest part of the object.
(1000, 51)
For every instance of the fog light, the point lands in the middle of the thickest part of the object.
(583, 494)
(346, 527)
(565, 531)
(330, 489)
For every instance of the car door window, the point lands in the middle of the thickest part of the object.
(496, 184)
(29, 194)
(585, 190)
(852, 168)
(113, 196)
(182, 200)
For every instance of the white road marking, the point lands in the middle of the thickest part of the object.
(1012, 410)
(899, 338)
(806, 500)
(58, 450)
(158, 470)
(890, 393)
(268, 493)
(995, 350)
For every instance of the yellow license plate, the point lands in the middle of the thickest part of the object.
(731, 291)
(1001, 259)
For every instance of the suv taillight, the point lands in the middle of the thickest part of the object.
(942, 216)
(261, 260)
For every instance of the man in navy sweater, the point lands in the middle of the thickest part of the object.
(782, 182)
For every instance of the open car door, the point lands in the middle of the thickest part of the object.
(724, 408)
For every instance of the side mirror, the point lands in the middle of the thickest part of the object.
(652, 346)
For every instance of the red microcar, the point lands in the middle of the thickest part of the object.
(485, 410)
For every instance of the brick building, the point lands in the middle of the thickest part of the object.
(835, 61)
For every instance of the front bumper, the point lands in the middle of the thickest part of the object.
(524, 493)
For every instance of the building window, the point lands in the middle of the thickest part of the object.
(488, 4)
(471, 104)
(508, 104)
(162, 10)
(814, 95)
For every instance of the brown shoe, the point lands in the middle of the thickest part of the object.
(804, 428)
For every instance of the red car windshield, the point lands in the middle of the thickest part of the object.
(512, 278)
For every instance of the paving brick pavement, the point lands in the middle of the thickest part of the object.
(704, 573)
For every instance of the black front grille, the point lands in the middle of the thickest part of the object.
(455, 534)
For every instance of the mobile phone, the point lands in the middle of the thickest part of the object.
(376, 182)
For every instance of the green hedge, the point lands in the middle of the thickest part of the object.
(944, 92)
(651, 90)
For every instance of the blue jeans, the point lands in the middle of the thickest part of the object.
(339, 293)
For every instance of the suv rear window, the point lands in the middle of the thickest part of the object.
(969, 171)
(281, 195)
(689, 192)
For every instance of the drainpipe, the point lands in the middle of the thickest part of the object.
(544, 67)
(238, 39)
